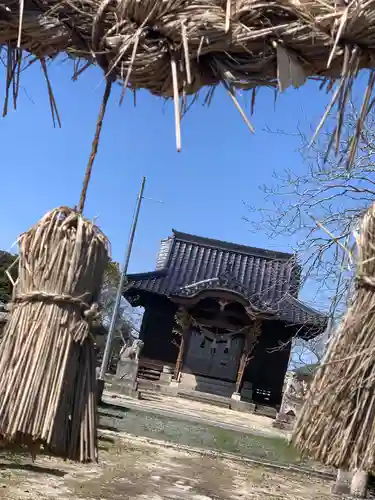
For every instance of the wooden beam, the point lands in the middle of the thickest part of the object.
(209, 313)
(218, 323)
(211, 293)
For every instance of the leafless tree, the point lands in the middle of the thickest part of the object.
(320, 207)
(307, 352)
(107, 302)
(127, 323)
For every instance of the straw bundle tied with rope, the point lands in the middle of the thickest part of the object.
(174, 48)
(47, 370)
(337, 422)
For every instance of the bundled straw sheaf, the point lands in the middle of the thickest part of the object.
(47, 390)
(173, 48)
(337, 423)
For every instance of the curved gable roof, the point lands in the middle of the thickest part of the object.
(187, 263)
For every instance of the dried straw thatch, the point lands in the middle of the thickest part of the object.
(47, 371)
(173, 48)
(337, 423)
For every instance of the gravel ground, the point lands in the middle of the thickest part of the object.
(135, 468)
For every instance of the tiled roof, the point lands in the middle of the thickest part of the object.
(187, 264)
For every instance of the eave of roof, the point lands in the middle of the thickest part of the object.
(289, 309)
(304, 307)
(149, 275)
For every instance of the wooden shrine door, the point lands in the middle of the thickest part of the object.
(212, 360)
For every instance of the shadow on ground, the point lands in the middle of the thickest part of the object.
(32, 468)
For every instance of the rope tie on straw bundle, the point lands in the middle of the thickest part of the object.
(89, 313)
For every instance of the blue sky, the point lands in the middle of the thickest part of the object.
(203, 187)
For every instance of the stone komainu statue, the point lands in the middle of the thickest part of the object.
(294, 394)
(132, 351)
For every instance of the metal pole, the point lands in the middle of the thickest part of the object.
(111, 332)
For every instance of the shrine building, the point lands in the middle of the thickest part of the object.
(219, 317)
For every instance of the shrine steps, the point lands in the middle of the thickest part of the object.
(149, 373)
(201, 397)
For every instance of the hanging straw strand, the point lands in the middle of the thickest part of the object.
(95, 143)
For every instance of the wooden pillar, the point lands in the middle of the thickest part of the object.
(241, 369)
(178, 365)
(251, 338)
(183, 321)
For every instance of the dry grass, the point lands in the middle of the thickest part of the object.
(173, 48)
(337, 423)
(47, 367)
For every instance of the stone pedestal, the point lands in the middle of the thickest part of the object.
(236, 396)
(127, 371)
(172, 388)
(354, 484)
(165, 378)
(284, 422)
(342, 484)
(239, 405)
(358, 488)
(125, 379)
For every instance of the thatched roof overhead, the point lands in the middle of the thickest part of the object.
(176, 49)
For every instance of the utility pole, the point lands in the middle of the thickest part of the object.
(111, 332)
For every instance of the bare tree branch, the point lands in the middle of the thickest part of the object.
(320, 207)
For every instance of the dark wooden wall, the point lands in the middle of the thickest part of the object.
(266, 371)
(156, 332)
